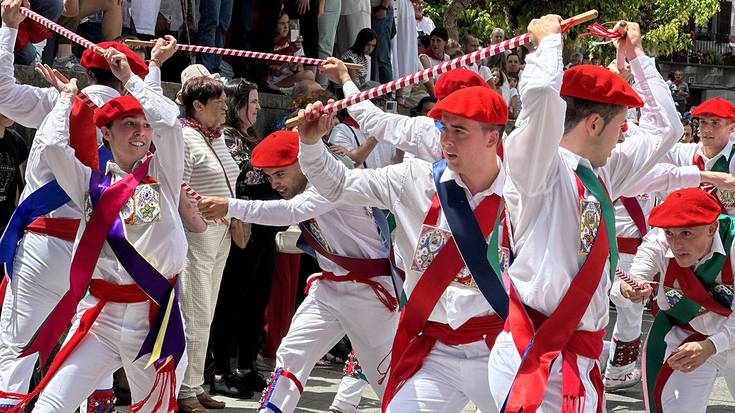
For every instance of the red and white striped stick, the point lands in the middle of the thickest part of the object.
(626, 278)
(441, 68)
(194, 194)
(242, 53)
(60, 30)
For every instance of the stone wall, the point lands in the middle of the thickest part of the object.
(272, 106)
(713, 80)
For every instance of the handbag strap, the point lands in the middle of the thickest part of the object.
(227, 179)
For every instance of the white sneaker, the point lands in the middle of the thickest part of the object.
(614, 382)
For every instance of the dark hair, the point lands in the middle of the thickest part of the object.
(424, 100)
(363, 37)
(425, 41)
(466, 38)
(238, 95)
(103, 77)
(578, 109)
(441, 33)
(201, 88)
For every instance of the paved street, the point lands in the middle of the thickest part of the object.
(322, 386)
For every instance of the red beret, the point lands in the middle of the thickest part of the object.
(597, 84)
(117, 108)
(277, 150)
(456, 79)
(717, 107)
(477, 103)
(689, 207)
(91, 60)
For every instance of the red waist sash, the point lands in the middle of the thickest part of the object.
(629, 245)
(61, 228)
(389, 301)
(478, 328)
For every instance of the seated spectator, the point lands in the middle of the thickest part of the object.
(575, 60)
(470, 43)
(497, 35)
(365, 151)
(285, 75)
(424, 106)
(30, 32)
(360, 52)
(74, 12)
(214, 19)
(514, 64)
(436, 52)
(514, 105)
(453, 49)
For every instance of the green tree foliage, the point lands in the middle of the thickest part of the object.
(663, 22)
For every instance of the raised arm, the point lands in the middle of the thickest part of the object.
(532, 148)
(380, 187)
(52, 140)
(26, 105)
(162, 113)
(659, 128)
(417, 136)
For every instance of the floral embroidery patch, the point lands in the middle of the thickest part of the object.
(430, 243)
(144, 206)
(317, 232)
(589, 220)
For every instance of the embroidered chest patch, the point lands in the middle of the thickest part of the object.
(727, 198)
(590, 214)
(318, 235)
(144, 207)
(430, 243)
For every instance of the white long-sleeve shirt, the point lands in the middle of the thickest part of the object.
(407, 190)
(662, 178)
(348, 230)
(653, 258)
(155, 229)
(683, 154)
(541, 194)
(417, 136)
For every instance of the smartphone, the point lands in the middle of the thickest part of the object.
(391, 106)
(294, 27)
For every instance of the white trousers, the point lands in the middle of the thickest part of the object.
(689, 392)
(40, 279)
(504, 362)
(199, 286)
(628, 322)
(450, 377)
(331, 310)
(113, 342)
(349, 394)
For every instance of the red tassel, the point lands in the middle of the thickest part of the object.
(165, 380)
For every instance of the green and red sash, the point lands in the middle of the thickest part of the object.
(684, 307)
(539, 343)
(721, 165)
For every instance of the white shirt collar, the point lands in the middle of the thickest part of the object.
(724, 152)
(115, 169)
(573, 160)
(495, 188)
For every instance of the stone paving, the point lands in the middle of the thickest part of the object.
(322, 385)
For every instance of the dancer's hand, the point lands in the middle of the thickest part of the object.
(634, 295)
(688, 356)
(313, 123)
